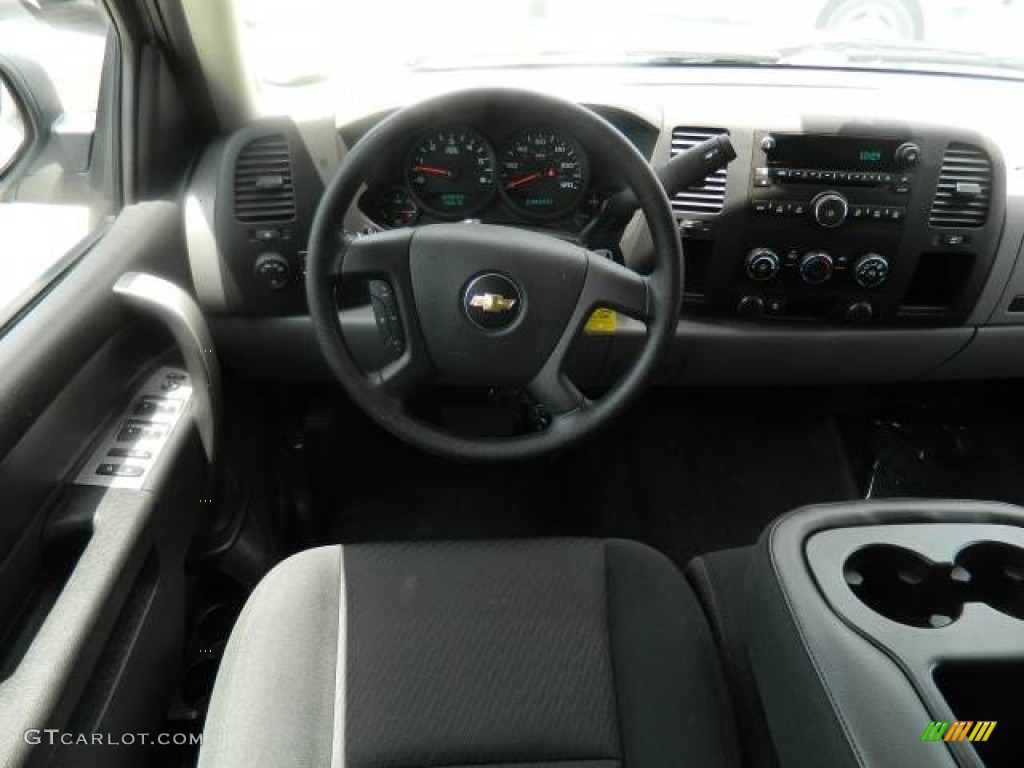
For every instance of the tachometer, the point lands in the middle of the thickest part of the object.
(450, 172)
(543, 173)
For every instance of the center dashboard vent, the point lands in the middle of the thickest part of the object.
(709, 195)
(264, 188)
(965, 188)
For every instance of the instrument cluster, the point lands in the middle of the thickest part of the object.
(536, 173)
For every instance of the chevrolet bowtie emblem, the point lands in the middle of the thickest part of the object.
(491, 302)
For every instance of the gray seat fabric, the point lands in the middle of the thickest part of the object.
(583, 653)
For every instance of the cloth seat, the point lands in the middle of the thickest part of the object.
(572, 652)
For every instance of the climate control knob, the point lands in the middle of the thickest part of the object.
(830, 209)
(871, 270)
(763, 264)
(816, 267)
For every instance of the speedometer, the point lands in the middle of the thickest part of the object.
(543, 173)
(450, 172)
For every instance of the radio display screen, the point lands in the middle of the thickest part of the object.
(838, 153)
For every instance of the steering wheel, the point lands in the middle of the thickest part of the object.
(479, 304)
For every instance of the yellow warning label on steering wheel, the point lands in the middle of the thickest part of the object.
(602, 321)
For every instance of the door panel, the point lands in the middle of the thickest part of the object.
(91, 578)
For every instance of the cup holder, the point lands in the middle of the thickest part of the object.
(997, 576)
(906, 587)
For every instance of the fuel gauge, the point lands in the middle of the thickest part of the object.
(396, 208)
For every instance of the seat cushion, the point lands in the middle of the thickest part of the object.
(528, 653)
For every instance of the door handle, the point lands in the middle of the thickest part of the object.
(180, 314)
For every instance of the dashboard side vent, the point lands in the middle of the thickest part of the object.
(965, 188)
(264, 188)
(709, 195)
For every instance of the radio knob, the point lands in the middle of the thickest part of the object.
(768, 144)
(871, 270)
(830, 209)
(908, 154)
(816, 267)
(763, 264)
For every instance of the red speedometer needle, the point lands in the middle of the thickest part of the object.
(433, 170)
(523, 180)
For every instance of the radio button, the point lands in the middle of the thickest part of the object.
(762, 206)
(798, 209)
(797, 174)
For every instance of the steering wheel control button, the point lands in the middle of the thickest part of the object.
(816, 267)
(385, 313)
(492, 301)
(762, 264)
(871, 270)
(830, 209)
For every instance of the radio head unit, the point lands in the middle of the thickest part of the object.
(836, 153)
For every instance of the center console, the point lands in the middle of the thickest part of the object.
(891, 634)
(873, 226)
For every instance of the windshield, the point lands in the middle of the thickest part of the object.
(300, 42)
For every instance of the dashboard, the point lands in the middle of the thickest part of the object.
(869, 229)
